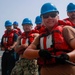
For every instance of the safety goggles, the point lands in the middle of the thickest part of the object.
(52, 15)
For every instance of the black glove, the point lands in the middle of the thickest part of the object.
(62, 58)
(45, 54)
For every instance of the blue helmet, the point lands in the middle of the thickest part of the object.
(38, 20)
(71, 7)
(48, 7)
(15, 23)
(8, 23)
(27, 21)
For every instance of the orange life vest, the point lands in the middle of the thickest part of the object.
(19, 31)
(63, 22)
(67, 20)
(37, 27)
(41, 29)
(27, 38)
(8, 39)
(54, 42)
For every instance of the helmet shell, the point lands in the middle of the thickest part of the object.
(70, 7)
(48, 7)
(27, 21)
(15, 23)
(8, 23)
(38, 20)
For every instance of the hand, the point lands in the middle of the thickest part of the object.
(61, 58)
(10, 48)
(24, 46)
(45, 54)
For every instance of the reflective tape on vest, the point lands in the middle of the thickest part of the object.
(46, 42)
(24, 41)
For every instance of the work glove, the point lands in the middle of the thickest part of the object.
(45, 54)
(62, 58)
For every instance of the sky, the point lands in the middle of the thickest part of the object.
(17, 10)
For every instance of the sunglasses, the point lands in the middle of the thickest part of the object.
(47, 15)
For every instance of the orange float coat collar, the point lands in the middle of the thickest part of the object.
(67, 20)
